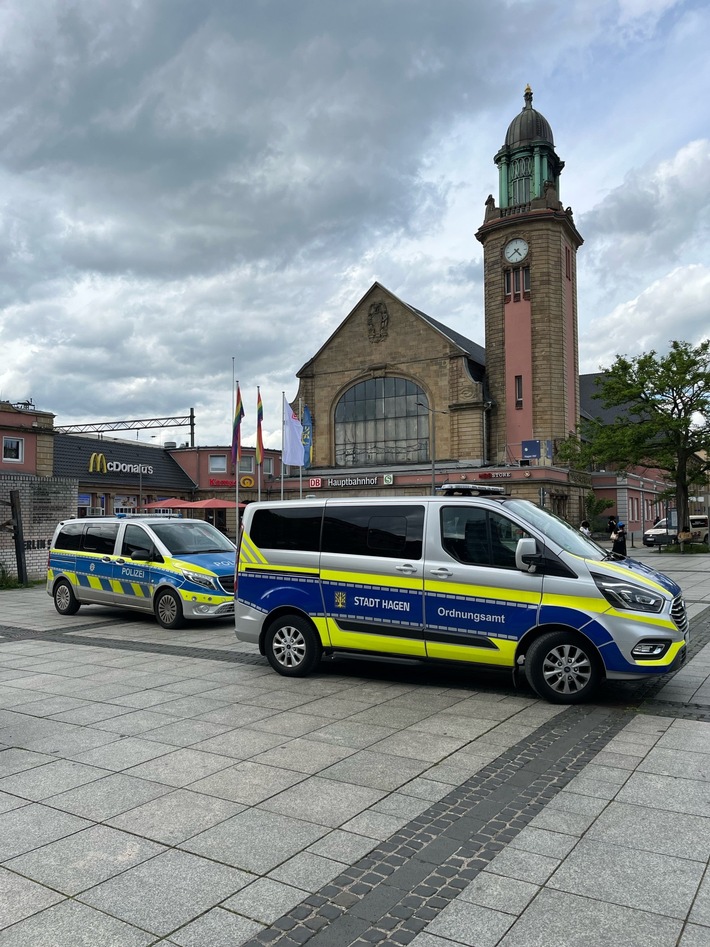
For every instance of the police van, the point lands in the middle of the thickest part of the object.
(486, 580)
(175, 568)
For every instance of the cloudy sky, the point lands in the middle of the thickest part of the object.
(197, 189)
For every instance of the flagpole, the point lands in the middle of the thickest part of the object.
(283, 433)
(300, 468)
(236, 472)
(259, 447)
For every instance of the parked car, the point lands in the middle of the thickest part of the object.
(665, 533)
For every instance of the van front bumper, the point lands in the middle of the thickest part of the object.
(207, 606)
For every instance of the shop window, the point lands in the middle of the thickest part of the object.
(268, 466)
(218, 463)
(13, 450)
(246, 464)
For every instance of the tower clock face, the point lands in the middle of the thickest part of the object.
(515, 250)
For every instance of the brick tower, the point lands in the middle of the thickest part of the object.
(530, 248)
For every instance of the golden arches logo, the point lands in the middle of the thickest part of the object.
(97, 463)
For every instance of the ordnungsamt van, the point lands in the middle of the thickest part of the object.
(175, 568)
(665, 531)
(491, 581)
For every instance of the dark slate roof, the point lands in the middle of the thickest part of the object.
(72, 455)
(528, 126)
(590, 407)
(474, 351)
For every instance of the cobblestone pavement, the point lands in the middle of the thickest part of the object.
(168, 788)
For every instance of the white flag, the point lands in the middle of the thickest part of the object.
(292, 450)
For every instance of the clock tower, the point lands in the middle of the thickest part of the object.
(530, 248)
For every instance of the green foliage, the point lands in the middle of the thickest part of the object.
(7, 581)
(662, 422)
(595, 506)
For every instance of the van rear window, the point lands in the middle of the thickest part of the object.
(386, 531)
(69, 536)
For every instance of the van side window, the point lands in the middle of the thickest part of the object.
(297, 528)
(69, 536)
(477, 537)
(388, 531)
(100, 538)
(134, 538)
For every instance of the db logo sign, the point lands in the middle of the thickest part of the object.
(246, 481)
(315, 482)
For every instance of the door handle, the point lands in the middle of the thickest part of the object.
(121, 561)
(442, 573)
(409, 569)
(106, 559)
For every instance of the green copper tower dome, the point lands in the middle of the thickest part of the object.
(527, 162)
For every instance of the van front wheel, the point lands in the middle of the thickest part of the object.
(168, 610)
(292, 646)
(561, 668)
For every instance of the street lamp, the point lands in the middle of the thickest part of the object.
(432, 441)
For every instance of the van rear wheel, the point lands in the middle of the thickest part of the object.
(64, 599)
(561, 668)
(292, 646)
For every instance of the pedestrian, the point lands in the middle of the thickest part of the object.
(585, 529)
(618, 538)
(611, 525)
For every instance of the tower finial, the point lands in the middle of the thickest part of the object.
(528, 97)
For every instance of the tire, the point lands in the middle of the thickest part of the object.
(561, 668)
(292, 646)
(64, 599)
(168, 609)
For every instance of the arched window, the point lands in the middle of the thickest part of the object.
(382, 421)
(520, 180)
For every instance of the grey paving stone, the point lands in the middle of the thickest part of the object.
(471, 924)
(71, 740)
(166, 892)
(265, 900)
(430, 940)
(84, 859)
(686, 836)
(384, 715)
(47, 780)
(343, 846)
(499, 893)
(181, 767)
(32, 826)
(21, 898)
(694, 936)
(687, 740)
(377, 825)
(668, 762)
(700, 913)
(255, 840)
(217, 928)
(558, 820)
(304, 755)
(16, 760)
(241, 744)
(290, 724)
(554, 844)
(108, 796)
(525, 866)
(188, 733)
(174, 817)
(375, 770)
(323, 801)
(307, 871)
(8, 802)
(424, 788)
(565, 920)
(630, 878)
(238, 715)
(247, 782)
(409, 744)
(190, 706)
(124, 753)
(90, 712)
(71, 924)
(401, 804)
(351, 734)
(569, 801)
(667, 793)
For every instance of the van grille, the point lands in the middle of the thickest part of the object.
(678, 613)
(227, 583)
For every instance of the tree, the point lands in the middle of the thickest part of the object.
(661, 419)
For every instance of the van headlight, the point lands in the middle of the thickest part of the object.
(200, 578)
(624, 595)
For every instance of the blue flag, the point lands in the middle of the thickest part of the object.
(307, 437)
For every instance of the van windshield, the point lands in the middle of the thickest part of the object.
(185, 538)
(556, 529)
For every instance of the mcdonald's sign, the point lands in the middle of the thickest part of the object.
(97, 463)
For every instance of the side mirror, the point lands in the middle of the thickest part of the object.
(146, 555)
(527, 558)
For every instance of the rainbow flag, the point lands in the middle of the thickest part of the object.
(236, 429)
(259, 419)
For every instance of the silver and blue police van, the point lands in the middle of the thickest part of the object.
(484, 580)
(174, 568)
